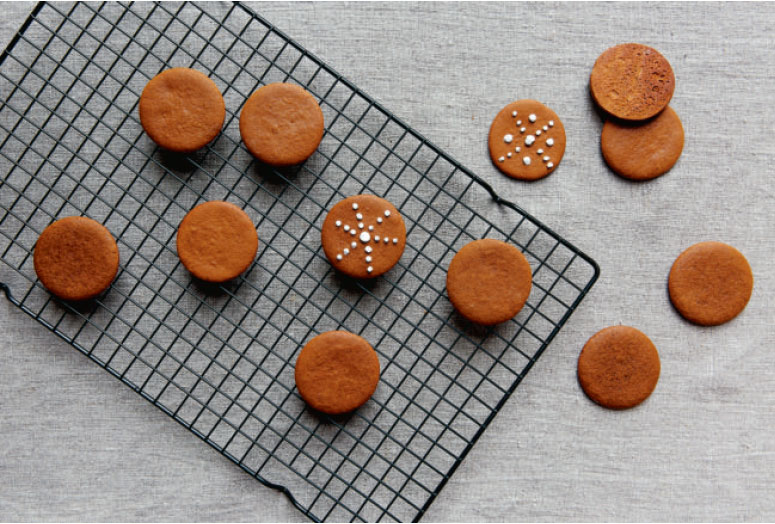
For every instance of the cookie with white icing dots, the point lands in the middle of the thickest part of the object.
(527, 140)
(363, 236)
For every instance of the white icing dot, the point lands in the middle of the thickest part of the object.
(346, 251)
(346, 227)
(339, 256)
(508, 154)
(353, 245)
(355, 206)
(360, 226)
(395, 240)
(529, 139)
(368, 249)
(546, 128)
(359, 216)
(386, 239)
(508, 138)
(379, 220)
(338, 223)
(517, 149)
(550, 142)
(522, 129)
(387, 213)
(513, 113)
(519, 122)
(540, 151)
(526, 160)
(532, 117)
(538, 132)
(501, 159)
(352, 231)
(368, 258)
(376, 238)
(369, 269)
(365, 237)
(549, 165)
(546, 158)
(371, 228)
(551, 123)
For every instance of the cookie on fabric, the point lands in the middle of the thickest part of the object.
(217, 241)
(76, 258)
(618, 367)
(710, 283)
(337, 372)
(527, 140)
(363, 236)
(182, 110)
(642, 151)
(632, 81)
(281, 124)
(488, 281)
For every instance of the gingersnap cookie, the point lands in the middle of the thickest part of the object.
(618, 367)
(710, 283)
(363, 236)
(76, 258)
(632, 81)
(281, 124)
(488, 281)
(527, 140)
(181, 109)
(642, 151)
(337, 372)
(217, 241)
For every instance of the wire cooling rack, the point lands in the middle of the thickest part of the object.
(220, 360)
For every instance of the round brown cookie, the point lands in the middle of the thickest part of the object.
(488, 281)
(281, 124)
(527, 140)
(337, 372)
(710, 283)
(76, 258)
(618, 367)
(182, 110)
(217, 241)
(632, 81)
(363, 236)
(642, 151)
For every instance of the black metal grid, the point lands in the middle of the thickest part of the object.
(220, 361)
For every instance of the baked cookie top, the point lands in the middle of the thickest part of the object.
(363, 236)
(336, 372)
(76, 258)
(281, 124)
(527, 140)
(217, 241)
(618, 367)
(710, 283)
(488, 281)
(181, 109)
(642, 151)
(632, 81)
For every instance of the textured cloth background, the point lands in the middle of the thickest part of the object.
(77, 445)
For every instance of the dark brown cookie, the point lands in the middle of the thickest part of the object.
(642, 151)
(527, 140)
(76, 258)
(181, 109)
(488, 281)
(337, 372)
(363, 236)
(618, 367)
(281, 124)
(632, 81)
(217, 241)
(710, 283)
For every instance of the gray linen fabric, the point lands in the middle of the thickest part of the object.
(79, 446)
